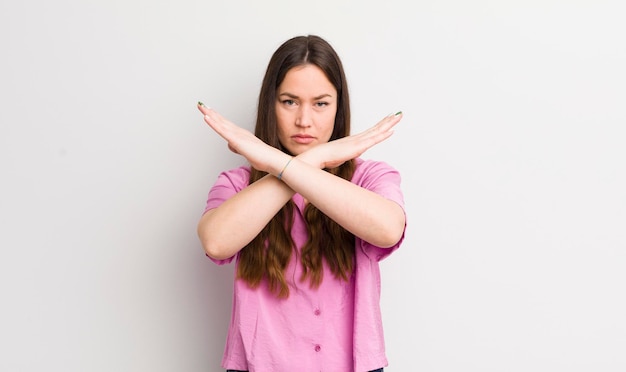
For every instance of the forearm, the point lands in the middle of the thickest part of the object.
(228, 228)
(364, 213)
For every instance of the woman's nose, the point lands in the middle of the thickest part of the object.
(304, 118)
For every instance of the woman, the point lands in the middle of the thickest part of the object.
(306, 223)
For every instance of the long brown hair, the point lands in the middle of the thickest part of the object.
(268, 254)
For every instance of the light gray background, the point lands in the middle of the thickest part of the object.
(511, 150)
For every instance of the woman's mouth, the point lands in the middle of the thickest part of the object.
(302, 139)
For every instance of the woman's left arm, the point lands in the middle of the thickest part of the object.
(364, 213)
(369, 216)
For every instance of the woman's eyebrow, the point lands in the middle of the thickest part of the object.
(325, 95)
(288, 95)
(291, 95)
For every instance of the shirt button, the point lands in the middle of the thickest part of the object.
(318, 348)
(317, 312)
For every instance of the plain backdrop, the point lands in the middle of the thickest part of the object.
(511, 150)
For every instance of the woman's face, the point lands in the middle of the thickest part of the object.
(305, 109)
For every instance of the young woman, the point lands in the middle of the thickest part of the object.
(306, 222)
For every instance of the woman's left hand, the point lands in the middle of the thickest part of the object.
(334, 153)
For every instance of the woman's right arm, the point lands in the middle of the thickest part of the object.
(225, 230)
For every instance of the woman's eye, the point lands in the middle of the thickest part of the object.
(321, 104)
(289, 102)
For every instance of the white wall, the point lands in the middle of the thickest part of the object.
(511, 148)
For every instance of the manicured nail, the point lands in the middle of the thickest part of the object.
(398, 113)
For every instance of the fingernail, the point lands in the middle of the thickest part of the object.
(398, 113)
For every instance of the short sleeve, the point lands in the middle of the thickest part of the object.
(384, 180)
(227, 185)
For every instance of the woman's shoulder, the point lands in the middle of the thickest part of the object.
(238, 177)
(243, 170)
(369, 166)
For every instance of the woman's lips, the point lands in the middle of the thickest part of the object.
(302, 139)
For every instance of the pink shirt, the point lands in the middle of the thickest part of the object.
(337, 327)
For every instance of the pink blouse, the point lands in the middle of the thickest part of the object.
(336, 327)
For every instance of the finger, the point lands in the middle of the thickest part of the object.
(393, 118)
(216, 116)
(209, 112)
(213, 118)
(386, 124)
(216, 125)
(389, 121)
(203, 109)
(209, 118)
(380, 135)
(383, 129)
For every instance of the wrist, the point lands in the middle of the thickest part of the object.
(282, 171)
(309, 158)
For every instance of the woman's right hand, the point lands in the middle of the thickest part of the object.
(243, 142)
(334, 153)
